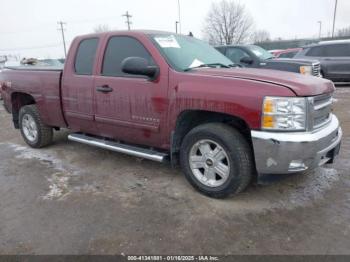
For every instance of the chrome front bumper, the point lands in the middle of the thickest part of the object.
(279, 153)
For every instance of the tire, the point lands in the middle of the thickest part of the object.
(228, 153)
(34, 132)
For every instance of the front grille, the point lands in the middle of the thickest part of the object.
(321, 111)
(316, 69)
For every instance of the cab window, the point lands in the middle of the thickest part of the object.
(338, 50)
(317, 51)
(85, 57)
(119, 48)
(335, 50)
(236, 54)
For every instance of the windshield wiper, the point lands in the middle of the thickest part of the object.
(211, 65)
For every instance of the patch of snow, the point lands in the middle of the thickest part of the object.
(59, 181)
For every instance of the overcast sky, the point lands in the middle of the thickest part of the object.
(28, 26)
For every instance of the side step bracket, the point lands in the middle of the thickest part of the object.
(118, 147)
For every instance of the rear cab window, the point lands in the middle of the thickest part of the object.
(85, 56)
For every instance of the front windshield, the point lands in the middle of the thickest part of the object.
(260, 52)
(184, 52)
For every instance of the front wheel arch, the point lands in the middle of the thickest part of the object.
(189, 119)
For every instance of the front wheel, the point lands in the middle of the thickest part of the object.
(34, 132)
(217, 160)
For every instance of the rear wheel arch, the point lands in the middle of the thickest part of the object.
(18, 100)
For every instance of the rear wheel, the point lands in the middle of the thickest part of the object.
(34, 132)
(217, 160)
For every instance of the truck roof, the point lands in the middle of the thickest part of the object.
(128, 32)
(331, 42)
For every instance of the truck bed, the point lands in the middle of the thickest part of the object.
(44, 85)
(35, 68)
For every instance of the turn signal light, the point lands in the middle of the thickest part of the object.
(268, 121)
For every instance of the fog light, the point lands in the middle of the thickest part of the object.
(297, 166)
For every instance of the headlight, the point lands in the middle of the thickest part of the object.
(306, 70)
(284, 113)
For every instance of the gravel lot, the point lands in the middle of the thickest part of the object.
(74, 199)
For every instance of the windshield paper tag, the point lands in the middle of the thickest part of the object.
(196, 63)
(167, 42)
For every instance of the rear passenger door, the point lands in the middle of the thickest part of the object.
(337, 58)
(130, 110)
(78, 86)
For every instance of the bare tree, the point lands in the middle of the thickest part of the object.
(261, 36)
(227, 22)
(344, 32)
(102, 28)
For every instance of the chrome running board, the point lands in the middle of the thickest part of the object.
(118, 147)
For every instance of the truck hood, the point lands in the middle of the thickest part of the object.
(299, 84)
(290, 61)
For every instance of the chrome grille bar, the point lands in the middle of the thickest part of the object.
(316, 69)
(321, 111)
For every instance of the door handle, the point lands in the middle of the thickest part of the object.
(104, 89)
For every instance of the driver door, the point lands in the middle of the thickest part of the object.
(125, 105)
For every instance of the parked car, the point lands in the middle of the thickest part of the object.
(253, 56)
(287, 53)
(41, 62)
(50, 62)
(334, 58)
(275, 51)
(168, 97)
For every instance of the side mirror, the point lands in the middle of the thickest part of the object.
(139, 66)
(247, 60)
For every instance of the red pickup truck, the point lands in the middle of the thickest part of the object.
(168, 97)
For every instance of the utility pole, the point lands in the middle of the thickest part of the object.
(176, 24)
(179, 15)
(334, 17)
(128, 16)
(63, 38)
(320, 32)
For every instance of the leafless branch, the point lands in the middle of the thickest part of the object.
(228, 22)
(102, 28)
(261, 36)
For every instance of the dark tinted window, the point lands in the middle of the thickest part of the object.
(236, 54)
(335, 50)
(119, 48)
(338, 50)
(317, 51)
(85, 58)
(221, 49)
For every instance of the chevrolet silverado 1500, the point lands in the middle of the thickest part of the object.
(168, 97)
